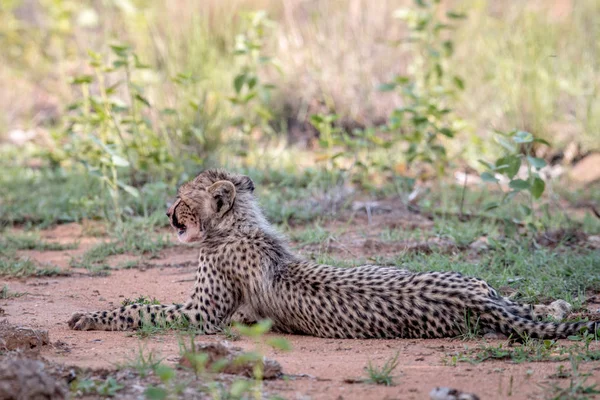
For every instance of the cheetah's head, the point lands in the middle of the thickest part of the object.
(207, 201)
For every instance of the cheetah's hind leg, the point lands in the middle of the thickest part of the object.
(556, 310)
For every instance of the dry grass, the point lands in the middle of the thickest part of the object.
(527, 64)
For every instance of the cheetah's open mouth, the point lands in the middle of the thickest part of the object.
(178, 225)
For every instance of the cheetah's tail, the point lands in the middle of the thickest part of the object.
(545, 330)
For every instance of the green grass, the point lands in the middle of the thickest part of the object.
(136, 236)
(44, 197)
(143, 363)
(103, 388)
(298, 197)
(162, 326)
(309, 235)
(31, 242)
(140, 300)
(5, 293)
(537, 274)
(401, 234)
(531, 350)
(23, 267)
(382, 375)
(578, 387)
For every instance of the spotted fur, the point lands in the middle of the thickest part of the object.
(247, 272)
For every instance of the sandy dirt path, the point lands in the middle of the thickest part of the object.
(319, 368)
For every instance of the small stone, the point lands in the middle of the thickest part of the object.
(480, 244)
(28, 379)
(444, 393)
(594, 241)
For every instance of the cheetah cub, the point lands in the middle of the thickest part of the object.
(247, 271)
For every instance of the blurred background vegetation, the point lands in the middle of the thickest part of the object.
(106, 105)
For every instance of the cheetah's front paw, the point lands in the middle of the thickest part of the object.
(81, 322)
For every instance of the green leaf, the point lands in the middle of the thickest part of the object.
(248, 97)
(138, 64)
(119, 63)
(491, 205)
(279, 343)
(113, 88)
(523, 137)
(239, 387)
(537, 187)
(519, 184)
(164, 372)
(120, 49)
(119, 161)
(142, 99)
(81, 79)
(249, 357)
(387, 87)
(508, 165)
(155, 393)
(449, 47)
(168, 111)
(459, 82)
(455, 15)
(447, 132)
(219, 365)
(255, 330)
(509, 146)
(488, 177)
(252, 82)
(238, 82)
(542, 141)
(488, 165)
(316, 119)
(129, 189)
(526, 210)
(401, 80)
(536, 162)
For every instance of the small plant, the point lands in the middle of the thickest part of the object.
(160, 325)
(256, 332)
(196, 359)
(171, 389)
(430, 87)
(531, 350)
(252, 95)
(348, 151)
(382, 375)
(231, 334)
(146, 300)
(578, 387)
(12, 265)
(32, 242)
(131, 237)
(121, 137)
(471, 329)
(106, 388)
(5, 293)
(518, 152)
(143, 363)
(107, 134)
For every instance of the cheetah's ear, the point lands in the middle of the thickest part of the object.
(245, 184)
(223, 192)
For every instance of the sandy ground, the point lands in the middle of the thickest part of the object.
(317, 368)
